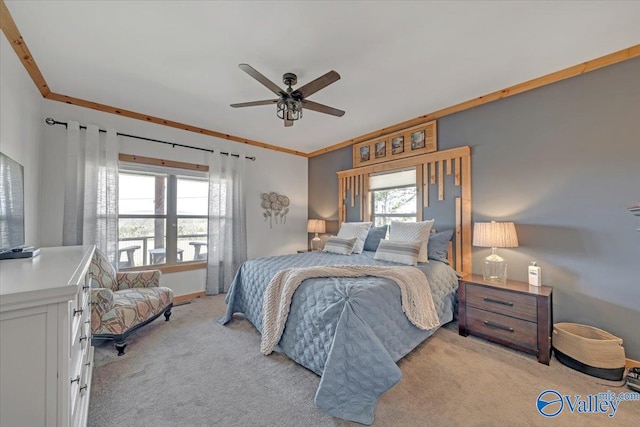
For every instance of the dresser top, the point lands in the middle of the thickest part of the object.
(511, 285)
(53, 274)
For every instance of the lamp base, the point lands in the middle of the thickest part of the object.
(316, 243)
(494, 269)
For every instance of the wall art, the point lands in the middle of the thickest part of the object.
(413, 141)
(276, 208)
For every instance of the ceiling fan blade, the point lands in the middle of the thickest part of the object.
(255, 103)
(262, 79)
(320, 108)
(317, 84)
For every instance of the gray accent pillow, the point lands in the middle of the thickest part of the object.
(373, 238)
(399, 251)
(439, 245)
(336, 245)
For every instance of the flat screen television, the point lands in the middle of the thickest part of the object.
(11, 204)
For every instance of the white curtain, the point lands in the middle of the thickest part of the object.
(91, 190)
(227, 246)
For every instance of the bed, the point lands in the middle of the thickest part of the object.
(352, 331)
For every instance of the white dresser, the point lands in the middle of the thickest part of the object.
(46, 358)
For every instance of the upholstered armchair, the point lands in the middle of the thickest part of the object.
(125, 301)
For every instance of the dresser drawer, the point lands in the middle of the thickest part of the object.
(79, 318)
(502, 301)
(491, 326)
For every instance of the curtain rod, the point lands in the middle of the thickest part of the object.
(52, 122)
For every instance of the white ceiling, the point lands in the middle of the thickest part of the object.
(398, 60)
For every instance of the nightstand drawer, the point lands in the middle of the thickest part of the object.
(503, 328)
(501, 301)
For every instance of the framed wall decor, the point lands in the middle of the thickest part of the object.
(381, 149)
(364, 153)
(413, 141)
(397, 145)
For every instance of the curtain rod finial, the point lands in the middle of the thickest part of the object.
(50, 121)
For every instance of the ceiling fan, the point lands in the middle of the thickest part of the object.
(291, 102)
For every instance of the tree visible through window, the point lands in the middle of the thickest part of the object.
(394, 197)
(162, 215)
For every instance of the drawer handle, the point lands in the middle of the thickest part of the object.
(83, 388)
(496, 301)
(87, 364)
(78, 311)
(85, 287)
(77, 380)
(498, 326)
(88, 321)
(83, 338)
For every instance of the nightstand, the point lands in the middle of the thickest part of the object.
(515, 314)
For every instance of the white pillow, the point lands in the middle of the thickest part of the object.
(400, 252)
(337, 245)
(359, 230)
(411, 232)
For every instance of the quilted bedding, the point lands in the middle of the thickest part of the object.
(350, 331)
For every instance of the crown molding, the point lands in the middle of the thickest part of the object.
(12, 33)
(576, 70)
(10, 30)
(165, 122)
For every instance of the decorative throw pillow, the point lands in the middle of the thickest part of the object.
(359, 230)
(439, 245)
(411, 232)
(373, 238)
(397, 251)
(336, 245)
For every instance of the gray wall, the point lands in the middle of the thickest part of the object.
(561, 162)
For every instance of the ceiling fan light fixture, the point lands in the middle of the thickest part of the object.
(290, 102)
(289, 109)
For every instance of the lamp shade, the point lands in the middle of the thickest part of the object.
(316, 226)
(495, 234)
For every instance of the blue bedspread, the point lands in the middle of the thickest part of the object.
(350, 331)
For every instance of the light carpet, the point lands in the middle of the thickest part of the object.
(192, 371)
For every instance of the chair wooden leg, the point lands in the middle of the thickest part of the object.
(167, 314)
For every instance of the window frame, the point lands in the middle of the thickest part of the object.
(373, 214)
(171, 264)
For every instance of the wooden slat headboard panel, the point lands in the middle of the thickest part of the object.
(431, 170)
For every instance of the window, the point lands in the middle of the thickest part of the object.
(393, 197)
(162, 215)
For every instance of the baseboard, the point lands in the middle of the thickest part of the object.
(630, 363)
(181, 299)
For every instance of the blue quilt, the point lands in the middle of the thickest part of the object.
(350, 331)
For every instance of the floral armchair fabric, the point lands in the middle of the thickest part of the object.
(123, 302)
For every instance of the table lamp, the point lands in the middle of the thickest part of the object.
(495, 235)
(316, 226)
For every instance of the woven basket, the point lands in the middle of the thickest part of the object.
(589, 350)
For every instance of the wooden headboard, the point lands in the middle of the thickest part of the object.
(430, 176)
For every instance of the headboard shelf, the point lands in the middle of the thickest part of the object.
(431, 170)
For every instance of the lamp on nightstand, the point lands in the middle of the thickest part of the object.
(495, 235)
(316, 226)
